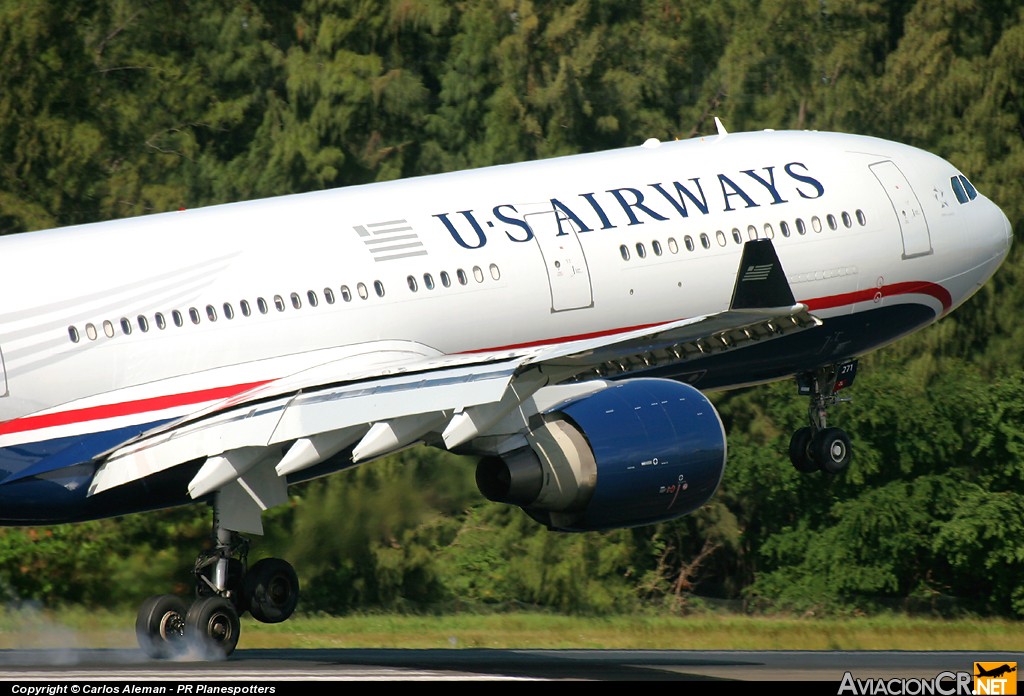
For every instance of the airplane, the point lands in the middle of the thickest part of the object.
(562, 321)
(996, 671)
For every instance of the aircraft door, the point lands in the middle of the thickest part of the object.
(3, 377)
(566, 266)
(909, 213)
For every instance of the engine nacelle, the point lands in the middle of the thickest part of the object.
(638, 452)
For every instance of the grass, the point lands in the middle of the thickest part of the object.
(80, 629)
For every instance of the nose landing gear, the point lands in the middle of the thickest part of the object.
(817, 446)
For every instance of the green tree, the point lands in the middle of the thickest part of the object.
(367, 537)
(50, 142)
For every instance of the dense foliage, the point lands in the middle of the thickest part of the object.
(110, 108)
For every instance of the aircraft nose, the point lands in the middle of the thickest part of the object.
(1001, 235)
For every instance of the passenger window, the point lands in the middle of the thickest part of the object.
(262, 305)
(769, 232)
(861, 218)
(126, 326)
(90, 331)
(446, 280)
(641, 251)
(296, 300)
(736, 236)
(211, 313)
(495, 272)
(784, 228)
(461, 274)
(279, 303)
(108, 328)
(478, 274)
(143, 323)
(329, 295)
(688, 241)
(361, 289)
(378, 287)
(624, 251)
(73, 334)
(428, 281)
(704, 240)
(801, 228)
(673, 246)
(311, 296)
(246, 309)
(816, 223)
(720, 235)
(831, 220)
(346, 294)
(161, 323)
(413, 285)
(656, 247)
(751, 232)
(193, 314)
(229, 311)
(847, 220)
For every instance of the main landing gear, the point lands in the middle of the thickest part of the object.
(226, 587)
(817, 446)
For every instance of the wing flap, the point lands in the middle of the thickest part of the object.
(331, 409)
(438, 390)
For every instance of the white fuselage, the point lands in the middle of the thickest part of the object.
(508, 256)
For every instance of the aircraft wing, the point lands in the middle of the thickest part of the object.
(248, 444)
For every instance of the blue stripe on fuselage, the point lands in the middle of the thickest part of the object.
(37, 458)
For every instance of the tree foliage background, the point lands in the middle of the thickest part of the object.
(113, 108)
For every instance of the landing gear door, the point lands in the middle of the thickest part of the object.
(917, 239)
(566, 266)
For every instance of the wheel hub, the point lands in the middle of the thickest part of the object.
(171, 626)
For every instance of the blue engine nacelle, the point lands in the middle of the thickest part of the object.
(638, 452)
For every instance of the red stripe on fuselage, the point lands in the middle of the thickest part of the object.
(126, 408)
(911, 288)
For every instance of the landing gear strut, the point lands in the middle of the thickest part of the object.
(817, 446)
(226, 588)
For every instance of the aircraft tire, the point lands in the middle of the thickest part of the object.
(799, 451)
(831, 449)
(160, 626)
(212, 627)
(271, 590)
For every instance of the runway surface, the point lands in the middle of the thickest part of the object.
(250, 667)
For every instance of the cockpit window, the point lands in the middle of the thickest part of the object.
(963, 189)
(958, 189)
(972, 192)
